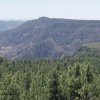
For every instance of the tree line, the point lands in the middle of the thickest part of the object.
(70, 78)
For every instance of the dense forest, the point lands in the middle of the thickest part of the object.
(75, 77)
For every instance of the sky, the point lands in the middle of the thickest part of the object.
(32, 9)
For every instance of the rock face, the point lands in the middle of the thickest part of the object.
(48, 38)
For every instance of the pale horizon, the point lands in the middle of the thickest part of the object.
(33, 9)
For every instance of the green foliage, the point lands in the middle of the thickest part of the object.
(54, 91)
(95, 45)
(70, 78)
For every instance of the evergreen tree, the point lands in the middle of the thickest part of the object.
(77, 71)
(54, 88)
(89, 74)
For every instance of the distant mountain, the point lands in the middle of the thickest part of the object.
(6, 25)
(48, 38)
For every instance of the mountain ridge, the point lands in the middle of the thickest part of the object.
(8, 25)
(48, 37)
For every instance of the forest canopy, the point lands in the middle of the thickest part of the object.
(71, 78)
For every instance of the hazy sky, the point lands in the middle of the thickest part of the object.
(30, 9)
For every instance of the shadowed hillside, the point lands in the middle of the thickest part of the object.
(48, 38)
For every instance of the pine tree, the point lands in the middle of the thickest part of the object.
(89, 74)
(77, 70)
(75, 83)
(54, 88)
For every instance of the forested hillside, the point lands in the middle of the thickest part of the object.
(75, 77)
(48, 38)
